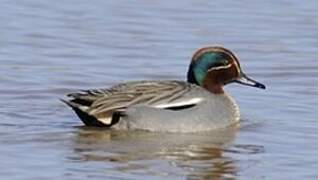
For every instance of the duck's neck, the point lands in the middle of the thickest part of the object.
(214, 88)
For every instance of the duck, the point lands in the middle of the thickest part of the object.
(198, 104)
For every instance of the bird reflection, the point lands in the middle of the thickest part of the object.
(194, 155)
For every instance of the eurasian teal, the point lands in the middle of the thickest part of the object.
(200, 104)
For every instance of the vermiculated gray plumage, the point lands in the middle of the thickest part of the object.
(94, 106)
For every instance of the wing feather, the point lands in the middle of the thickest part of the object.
(101, 103)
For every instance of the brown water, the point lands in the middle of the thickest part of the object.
(50, 48)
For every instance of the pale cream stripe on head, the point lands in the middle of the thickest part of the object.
(220, 67)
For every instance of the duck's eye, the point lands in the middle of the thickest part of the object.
(221, 63)
(218, 64)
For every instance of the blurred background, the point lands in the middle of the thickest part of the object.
(50, 48)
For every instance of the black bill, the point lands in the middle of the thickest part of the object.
(249, 82)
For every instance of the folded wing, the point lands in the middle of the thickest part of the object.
(104, 107)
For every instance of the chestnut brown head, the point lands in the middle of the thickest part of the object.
(214, 67)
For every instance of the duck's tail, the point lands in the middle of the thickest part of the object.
(87, 119)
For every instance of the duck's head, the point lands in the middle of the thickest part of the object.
(214, 67)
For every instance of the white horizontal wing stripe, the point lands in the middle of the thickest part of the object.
(182, 103)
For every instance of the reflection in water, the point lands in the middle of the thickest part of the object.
(198, 155)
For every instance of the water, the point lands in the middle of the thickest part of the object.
(50, 48)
